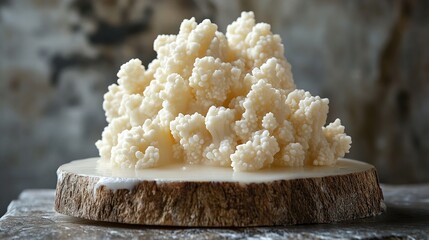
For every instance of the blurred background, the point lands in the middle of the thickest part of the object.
(370, 58)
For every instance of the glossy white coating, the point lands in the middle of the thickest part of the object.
(117, 178)
(116, 183)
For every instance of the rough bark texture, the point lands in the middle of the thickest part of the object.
(221, 204)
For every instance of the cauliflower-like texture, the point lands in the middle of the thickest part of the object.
(140, 146)
(237, 32)
(109, 137)
(337, 143)
(255, 43)
(256, 153)
(112, 102)
(190, 132)
(261, 99)
(211, 82)
(217, 99)
(219, 122)
(177, 54)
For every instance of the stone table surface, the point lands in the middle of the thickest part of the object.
(32, 217)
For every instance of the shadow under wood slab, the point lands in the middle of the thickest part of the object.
(218, 197)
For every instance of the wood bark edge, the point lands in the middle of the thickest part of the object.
(224, 204)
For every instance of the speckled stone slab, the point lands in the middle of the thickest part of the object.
(32, 216)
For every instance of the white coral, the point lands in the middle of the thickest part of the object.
(256, 153)
(190, 132)
(223, 100)
(219, 122)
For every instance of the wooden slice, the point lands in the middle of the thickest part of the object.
(183, 195)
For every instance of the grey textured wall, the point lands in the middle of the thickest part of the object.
(371, 58)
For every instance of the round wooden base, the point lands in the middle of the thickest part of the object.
(345, 191)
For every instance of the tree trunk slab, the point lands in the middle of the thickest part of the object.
(204, 196)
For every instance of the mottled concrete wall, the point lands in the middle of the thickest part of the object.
(57, 58)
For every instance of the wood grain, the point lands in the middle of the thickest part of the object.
(224, 204)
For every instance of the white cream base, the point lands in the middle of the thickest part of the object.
(115, 183)
(116, 178)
